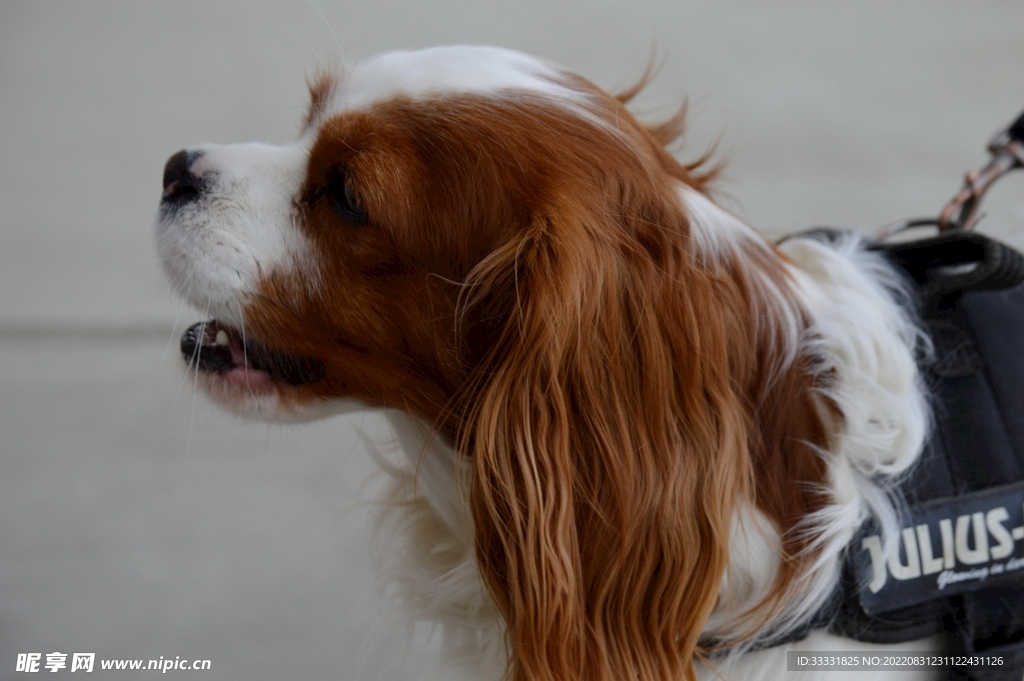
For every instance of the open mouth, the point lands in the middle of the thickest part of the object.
(218, 348)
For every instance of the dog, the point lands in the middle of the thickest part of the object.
(643, 434)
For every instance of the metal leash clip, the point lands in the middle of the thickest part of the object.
(1007, 149)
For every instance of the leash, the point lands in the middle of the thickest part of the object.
(961, 213)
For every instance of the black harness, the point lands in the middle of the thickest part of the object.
(960, 565)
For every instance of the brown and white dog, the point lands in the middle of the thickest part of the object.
(643, 434)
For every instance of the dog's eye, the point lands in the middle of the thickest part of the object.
(344, 201)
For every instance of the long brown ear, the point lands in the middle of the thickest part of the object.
(607, 442)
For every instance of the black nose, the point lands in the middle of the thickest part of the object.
(180, 184)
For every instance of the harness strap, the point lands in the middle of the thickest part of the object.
(971, 300)
(956, 263)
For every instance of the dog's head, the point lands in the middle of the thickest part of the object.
(366, 259)
(498, 247)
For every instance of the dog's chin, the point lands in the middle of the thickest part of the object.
(279, 404)
(264, 404)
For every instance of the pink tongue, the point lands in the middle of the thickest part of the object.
(243, 374)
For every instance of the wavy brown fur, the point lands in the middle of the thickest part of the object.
(614, 390)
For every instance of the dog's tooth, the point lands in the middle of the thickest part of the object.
(222, 338)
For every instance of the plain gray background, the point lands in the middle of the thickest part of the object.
(136, 520)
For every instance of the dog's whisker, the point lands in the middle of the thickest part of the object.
(337, 42)
(245, 357)
(195, 393)
(170, 340)
(184, 377)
